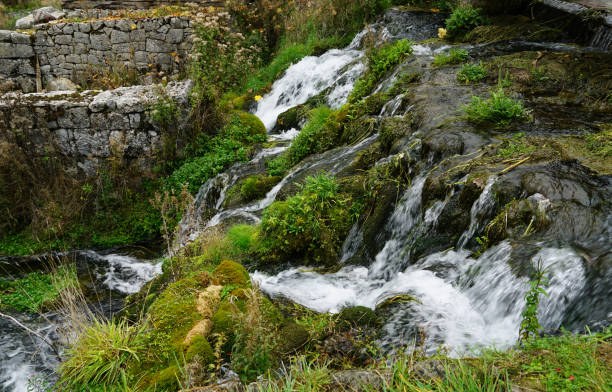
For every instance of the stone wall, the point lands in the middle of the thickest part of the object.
(132, 4)
(152, 46)
(93, 127)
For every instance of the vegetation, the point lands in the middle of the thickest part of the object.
(309, 224)
(36, 291)
(380, 61)
(454, 56)
(499, 110)
(463, 20)
(471, 73)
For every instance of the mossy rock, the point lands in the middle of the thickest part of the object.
(252, 123)
(232, 273)
(293, 337)
(223, 324)
(289, 119)
(256, 187)
(393, 129)
(166, 379)
(357, 316)
(201, 348)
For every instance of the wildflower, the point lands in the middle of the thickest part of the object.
(435, 10)
(441, 32)
(133, 26)
(558, 369)
(571, 378)
(257, 98)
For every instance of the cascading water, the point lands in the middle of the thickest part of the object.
(26, 362)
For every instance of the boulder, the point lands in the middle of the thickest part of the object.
(47, 14)
(61, 84)
(25, 23)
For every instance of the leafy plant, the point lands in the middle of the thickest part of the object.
(530, 325)
(454, 56)
(499, 109)
(471, 73)
(516, 146)
(463, 20)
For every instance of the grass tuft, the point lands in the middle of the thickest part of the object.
(500, 109)
(454, 56)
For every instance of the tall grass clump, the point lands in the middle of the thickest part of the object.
(463, 20)
(100, 354)
(380, 61)
(499, 110)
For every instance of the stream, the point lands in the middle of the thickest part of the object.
(459, 299)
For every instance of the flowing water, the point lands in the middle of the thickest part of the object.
(27, 362)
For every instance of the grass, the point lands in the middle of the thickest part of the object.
(463, 20)
(516, 146)
(471, 73)
(499, 110)
(454, 56)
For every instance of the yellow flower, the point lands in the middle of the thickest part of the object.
(133, 26)
(258, 97)
(441, 32)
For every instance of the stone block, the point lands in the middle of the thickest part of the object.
(63, 40)
(73, 58)
(97, 25)
(18, 38)
(159, 46)
(84, 27)
(137, 35)
(68, 29)
(82, 38)
(99, 42)
(175, 36)
(12, 51)
(124, 24)
(119, 37)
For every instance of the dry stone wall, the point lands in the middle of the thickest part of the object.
(93, 127)
(131, 4)
(152, 46)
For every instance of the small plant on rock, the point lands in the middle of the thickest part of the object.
(471, 73)
(500, 109)
(463, 20)
(530, 325)
(454, 56)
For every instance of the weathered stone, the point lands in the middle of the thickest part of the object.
(119, 37)
(68, 29)
(81, 38)
(175, 36)
(18, 38)
(46, 14)
(63, 39)
(84, 27)
(159, 46)
(12, 51)
(61, 84)
(99, 42)
(24, 23)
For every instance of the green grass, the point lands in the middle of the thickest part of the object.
(36, 290)
(454, 56)
(499, 110)
(471, 73)
(517, 146)
(600, 143)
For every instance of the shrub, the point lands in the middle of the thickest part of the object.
(320, 133)
(256, 187)
(470, 73)
(454, 56)
(217, 153)
(499, 110)
(380, 61)
(310, 224)
(100, 354)
(241, 238)
(463, 20)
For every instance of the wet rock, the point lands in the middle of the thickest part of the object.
(294, 337)
(356, 316)
(431, 369)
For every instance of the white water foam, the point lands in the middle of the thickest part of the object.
(125, 274)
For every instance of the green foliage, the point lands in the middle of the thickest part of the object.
(36, 290)
(357, 316)
(499, 110)
(454, 56)
(241, 238)
(380, 61)
(530, 325)
(164, 111)
(100, 354)
(232, 273)
(600, 143)
(311, 223)
(463, 20)
(217, 153)
(471, 73)
(319, 134)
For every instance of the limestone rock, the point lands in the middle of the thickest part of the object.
(25, 23)
(61, 84)
(47, 14)
(357, 380)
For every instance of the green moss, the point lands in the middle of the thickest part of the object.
(232, 273)
(256, 187)
(394, 128)
(166, 379)
(293, 336)
(255, 129)
(241, 238)
(200, 347)
(172, 315)
(357, 316)
(224, 325)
